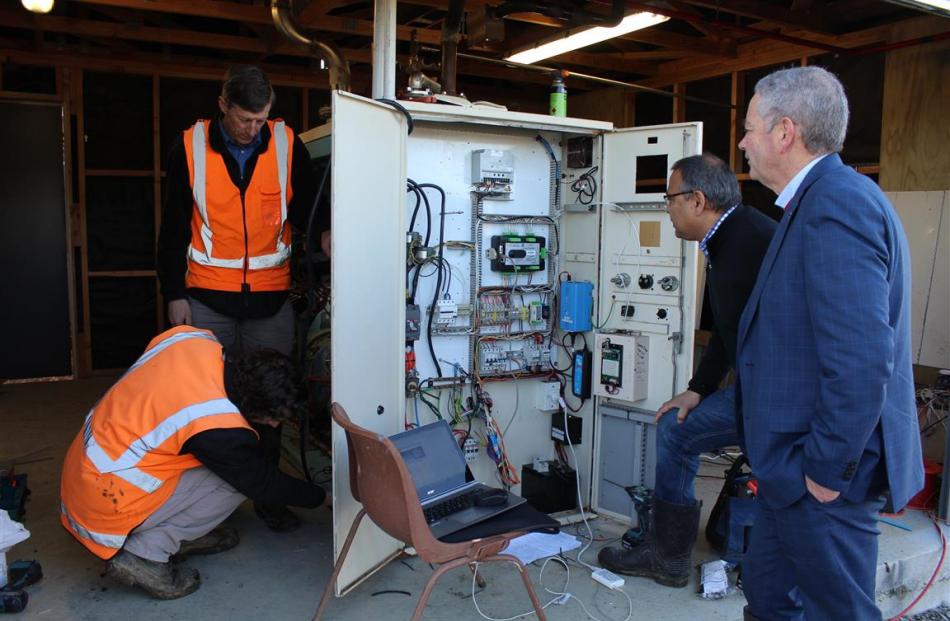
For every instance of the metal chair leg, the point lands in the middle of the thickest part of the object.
(479, 579)
(339, 565)
(527, 584)
(427, 591)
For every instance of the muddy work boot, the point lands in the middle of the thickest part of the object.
(665, 554)
(218, 540)
(160, 580)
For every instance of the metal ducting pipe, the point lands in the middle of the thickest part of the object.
(282, 12)
(451, 35)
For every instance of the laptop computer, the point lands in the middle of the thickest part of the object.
(451, 499)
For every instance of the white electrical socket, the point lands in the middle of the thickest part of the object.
(548, 397)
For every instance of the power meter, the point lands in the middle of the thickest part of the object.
(493, 173)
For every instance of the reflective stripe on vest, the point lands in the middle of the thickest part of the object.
(125, 466)
(108, 541)
(282, 251)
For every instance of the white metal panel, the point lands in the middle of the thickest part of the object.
(441, 153)
(368, 306)
(637, 239)
(935, 349)
(622, 148)
(922, 215)
(486, 116)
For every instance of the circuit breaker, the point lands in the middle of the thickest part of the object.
(621, 367)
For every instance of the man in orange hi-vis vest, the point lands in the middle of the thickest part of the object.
(234, 185)
(168, 453)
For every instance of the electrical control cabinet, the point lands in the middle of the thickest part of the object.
(541, 262)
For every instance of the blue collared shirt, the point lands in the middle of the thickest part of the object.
(789, 192)
(240, 152)
(712, 231)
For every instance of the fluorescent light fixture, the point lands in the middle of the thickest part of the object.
(38, 6)
(575, 40)
(939, 7)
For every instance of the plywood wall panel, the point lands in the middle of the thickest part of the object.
(914, 128)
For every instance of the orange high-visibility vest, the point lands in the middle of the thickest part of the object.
(124, 463)
(234, 241)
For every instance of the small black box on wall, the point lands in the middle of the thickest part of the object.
(551, 491)
(574, 427)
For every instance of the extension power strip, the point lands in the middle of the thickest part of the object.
(607, 578)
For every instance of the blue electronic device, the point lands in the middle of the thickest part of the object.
(577, 300)
(580, 379)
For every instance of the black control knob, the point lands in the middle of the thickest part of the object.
(661, 313)
(645, 281)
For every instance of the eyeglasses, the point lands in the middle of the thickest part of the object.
(668, 197)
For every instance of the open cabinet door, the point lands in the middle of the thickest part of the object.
(368, 302)
(647, 295)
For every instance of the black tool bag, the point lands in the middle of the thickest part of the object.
(734, 513)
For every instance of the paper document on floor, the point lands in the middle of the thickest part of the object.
(529, 548)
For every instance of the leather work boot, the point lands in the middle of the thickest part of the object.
(218, 540)
(665, 554)
(160, 580)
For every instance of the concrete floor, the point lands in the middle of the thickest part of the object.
(274, 576)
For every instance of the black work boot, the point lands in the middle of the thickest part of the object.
(665, 554)
(218, 540)
(278, 518)
(160, 580)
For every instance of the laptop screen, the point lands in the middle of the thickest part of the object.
(433, 457)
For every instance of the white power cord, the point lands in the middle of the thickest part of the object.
(580, 500)
(562, 596)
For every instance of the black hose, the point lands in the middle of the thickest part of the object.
(438, 284)
(399, 106)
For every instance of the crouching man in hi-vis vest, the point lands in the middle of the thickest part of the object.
(168, 453)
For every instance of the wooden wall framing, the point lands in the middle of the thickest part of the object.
(70, 93)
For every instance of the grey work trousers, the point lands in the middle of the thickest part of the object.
(201, 501)
(239, 336)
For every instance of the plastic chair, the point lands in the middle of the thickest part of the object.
(381, 482)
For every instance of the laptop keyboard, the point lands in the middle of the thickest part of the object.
(436, 512)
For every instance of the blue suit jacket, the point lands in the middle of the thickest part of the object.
(824, 354)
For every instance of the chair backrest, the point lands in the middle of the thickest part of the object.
(380, 480)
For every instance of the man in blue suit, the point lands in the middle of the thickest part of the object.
(826, 395)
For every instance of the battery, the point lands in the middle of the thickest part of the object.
(551, 491)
